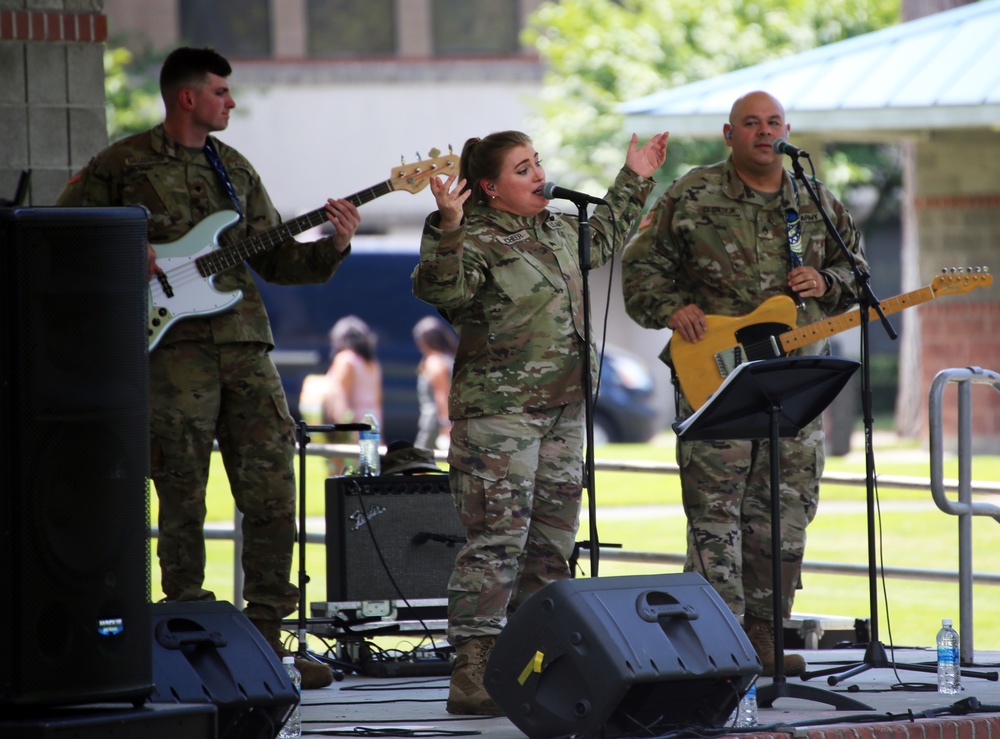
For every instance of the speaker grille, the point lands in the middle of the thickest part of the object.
(74, 429)
(409, 521)
(621, 657)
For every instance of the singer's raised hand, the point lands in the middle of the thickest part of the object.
(646, 160)
(449, 200)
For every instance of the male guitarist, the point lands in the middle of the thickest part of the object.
(723, 239)
(211, 376)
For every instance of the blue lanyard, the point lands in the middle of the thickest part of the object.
(220, 170)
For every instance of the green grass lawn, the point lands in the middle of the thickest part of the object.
(910, 532)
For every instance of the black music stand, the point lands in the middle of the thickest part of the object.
(769, 399)
(302, 430)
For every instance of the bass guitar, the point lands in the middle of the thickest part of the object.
(185, 287)
(768, 332)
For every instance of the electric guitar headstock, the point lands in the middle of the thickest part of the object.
(960, 280)
(414, 177)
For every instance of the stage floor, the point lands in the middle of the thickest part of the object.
(907, 701)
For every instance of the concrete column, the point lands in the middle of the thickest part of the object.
(413, 28)
(288, 29)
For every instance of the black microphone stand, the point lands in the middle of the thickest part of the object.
(302, 430)
(588, 389)
(875, 654)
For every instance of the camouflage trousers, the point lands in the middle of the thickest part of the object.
(200, 392)
(726, 491)
(517, 483)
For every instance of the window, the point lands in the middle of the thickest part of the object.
(475, 27)
(236, 28)
(351, 28)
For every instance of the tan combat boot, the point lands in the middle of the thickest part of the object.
(466, 694)
(314, 674)
(761, 635)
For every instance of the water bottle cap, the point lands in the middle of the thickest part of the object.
(289, 660)
(946, 622)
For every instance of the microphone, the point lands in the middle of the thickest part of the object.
(781, 146)
(551, 190)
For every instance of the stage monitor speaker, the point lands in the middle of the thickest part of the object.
(74, 456)
(209, 652)
(389, 532)
(621, 656)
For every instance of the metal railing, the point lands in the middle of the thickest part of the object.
(964, 486)
(964, 508)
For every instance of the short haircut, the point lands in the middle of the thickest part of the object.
(188, 67)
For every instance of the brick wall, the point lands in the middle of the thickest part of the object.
(956, 205)
(42, 25)
(963, 335)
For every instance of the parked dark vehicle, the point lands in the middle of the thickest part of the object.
(374, 284)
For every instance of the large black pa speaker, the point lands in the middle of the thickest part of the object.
(116, 721)
(389, 532)
(209, 652)
(621, 656)
(74, 456)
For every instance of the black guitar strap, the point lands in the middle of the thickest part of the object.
(220, 171)
(794, 231)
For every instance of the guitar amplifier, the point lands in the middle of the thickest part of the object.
(390, 538)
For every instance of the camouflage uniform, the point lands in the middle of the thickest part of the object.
(512, 288)
(714, 242)
(212, 377)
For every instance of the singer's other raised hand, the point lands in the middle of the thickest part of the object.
(646, 160)
(449, 200)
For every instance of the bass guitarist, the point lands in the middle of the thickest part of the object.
(211, 376)
(722, 240)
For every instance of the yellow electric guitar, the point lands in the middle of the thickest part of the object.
(769, 332)
(186, 286)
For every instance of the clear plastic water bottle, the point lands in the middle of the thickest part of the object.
(745, 714)
(293, 726)
(368, 461)
(948, 660)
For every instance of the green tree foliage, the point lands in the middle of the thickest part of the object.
(601, 53)
(131, 91)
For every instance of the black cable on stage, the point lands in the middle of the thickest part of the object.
(363, 731)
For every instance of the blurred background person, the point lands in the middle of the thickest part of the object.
(437, 344)
(353, 381)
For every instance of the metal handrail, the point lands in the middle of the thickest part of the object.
(900, 482)
(964, 508)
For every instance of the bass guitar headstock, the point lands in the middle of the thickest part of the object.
(414, 177)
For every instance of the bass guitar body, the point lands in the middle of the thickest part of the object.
(189, 294)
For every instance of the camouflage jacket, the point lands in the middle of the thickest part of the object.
(180, 188)
(714, 242)
(513, 289)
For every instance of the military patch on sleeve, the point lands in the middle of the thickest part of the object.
(646, 220)
(513, 238)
